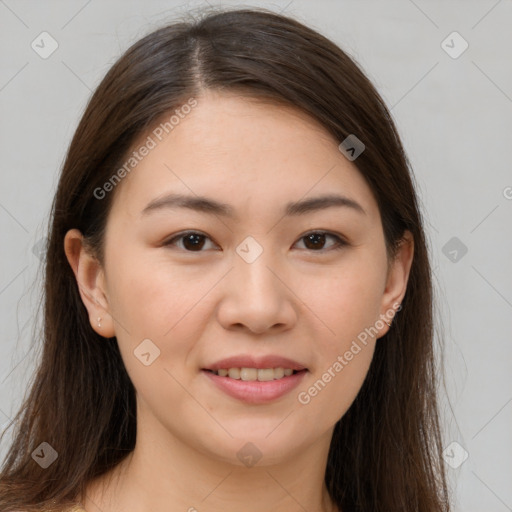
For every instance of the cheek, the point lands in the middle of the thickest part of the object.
(154, 326)
(347, 301)
(348, 307)
(330, 392)
(152, 296)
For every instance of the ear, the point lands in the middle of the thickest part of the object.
(90, 278)
(396, 282)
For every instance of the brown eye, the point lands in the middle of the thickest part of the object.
(192, 241)
(316, 240)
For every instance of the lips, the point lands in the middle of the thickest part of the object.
(248, 361)
(255, 392)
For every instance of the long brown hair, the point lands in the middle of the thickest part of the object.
(385, 453)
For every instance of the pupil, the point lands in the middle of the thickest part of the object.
(194, 241)
(316, 237)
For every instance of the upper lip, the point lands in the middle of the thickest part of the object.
(248, 361)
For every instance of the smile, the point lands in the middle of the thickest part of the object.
(260, 374)
(246, 386)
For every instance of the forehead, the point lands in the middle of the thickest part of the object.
(241, 151)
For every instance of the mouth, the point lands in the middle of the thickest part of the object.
(255, 386)
(255, 374)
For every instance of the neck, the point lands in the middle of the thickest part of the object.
(166, 474)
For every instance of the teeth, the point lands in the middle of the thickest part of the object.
(234, 373)
(248, 374)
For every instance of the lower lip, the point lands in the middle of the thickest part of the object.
(254, 391)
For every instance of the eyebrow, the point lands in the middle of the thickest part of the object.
(213, 207)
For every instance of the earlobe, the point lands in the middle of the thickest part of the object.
(89, 276)
(397, 279)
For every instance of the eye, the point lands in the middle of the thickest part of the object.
(316, 239)
(194, 241)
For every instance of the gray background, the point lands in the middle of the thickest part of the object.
(455, 119)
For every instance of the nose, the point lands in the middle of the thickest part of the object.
(257, 297)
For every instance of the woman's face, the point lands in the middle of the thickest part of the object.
(271, 279)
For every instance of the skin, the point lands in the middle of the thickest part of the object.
(200, 306)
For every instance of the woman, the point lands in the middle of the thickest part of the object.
(238, 296)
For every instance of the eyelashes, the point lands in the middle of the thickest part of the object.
(194, 241)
